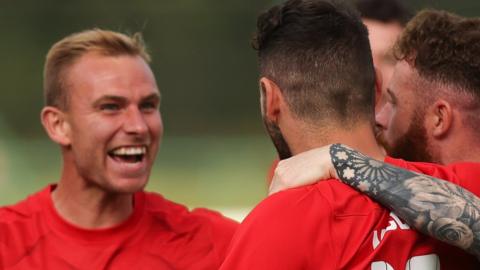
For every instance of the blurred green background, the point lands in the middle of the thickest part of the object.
(215, 152)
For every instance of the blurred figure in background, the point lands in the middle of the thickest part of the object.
(102, 109)
(385, 20)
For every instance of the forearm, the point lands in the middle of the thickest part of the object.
(433, 206)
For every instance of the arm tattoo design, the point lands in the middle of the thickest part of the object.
(435, 207)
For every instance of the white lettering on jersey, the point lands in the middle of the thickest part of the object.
(424, 262)
(381, 266)
(394, 224)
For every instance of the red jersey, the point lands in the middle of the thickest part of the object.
(329, 225)
(159, 235)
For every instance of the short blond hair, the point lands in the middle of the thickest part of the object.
(67, 51)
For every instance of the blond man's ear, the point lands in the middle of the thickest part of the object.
(56, 125)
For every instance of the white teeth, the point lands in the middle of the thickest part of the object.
(130, 151)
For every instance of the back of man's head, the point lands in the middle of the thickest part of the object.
(67, 51)
(385, 11)
(318, 53)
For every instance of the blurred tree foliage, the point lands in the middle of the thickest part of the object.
(469, 8)
(202, 58)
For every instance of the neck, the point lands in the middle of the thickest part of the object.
(460, 149)
(465, 157)
(88, 206)
(360, 137)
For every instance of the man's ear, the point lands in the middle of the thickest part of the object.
(56, 125)
(272, 99)
(440, 118)
(378, 87)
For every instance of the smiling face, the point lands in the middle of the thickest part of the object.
(114, 125)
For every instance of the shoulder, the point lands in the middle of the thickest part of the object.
(319, 201)
(21, 226)
(468, 174)
(431, 169)
(22, 210)
(469, 168)
(278, 233)
(156, 204)
(413, 166)
(296, 215)
(287, 211)
(206, 224)
(291, 201)
(464, 174)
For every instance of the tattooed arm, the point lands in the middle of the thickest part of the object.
(435, 207)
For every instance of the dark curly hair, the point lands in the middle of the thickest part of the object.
(318, 53)
(443, 48)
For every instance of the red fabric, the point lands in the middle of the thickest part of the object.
(329, 225)
(159, 235)
(464, 174)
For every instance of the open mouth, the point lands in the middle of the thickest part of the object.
(128, 154)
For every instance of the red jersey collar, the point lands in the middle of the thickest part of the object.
(59, 224)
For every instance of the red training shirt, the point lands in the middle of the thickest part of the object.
(159, 234)
(329, 225)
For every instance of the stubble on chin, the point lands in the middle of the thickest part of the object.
(411, 146)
